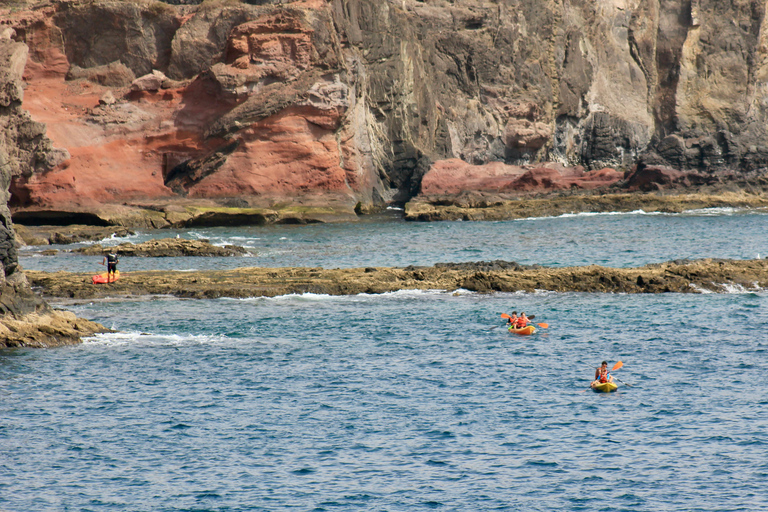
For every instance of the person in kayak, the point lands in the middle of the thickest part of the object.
(521, 321)
(602, 374)
(111, 260)
(512, 319)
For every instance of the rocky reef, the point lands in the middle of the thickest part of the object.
(485, 277)
(165, 248)
(311, 111)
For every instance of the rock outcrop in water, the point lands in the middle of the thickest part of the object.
(485, 277)
(313, 111)
(166, 248)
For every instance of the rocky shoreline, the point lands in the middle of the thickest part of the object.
(493, 207)
(709, 275)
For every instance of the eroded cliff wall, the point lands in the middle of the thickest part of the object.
(352, 102)
(25, 320)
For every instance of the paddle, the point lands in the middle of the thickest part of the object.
(616, 367)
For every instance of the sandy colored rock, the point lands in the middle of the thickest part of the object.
(52, 329)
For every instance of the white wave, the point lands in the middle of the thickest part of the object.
(319, 297)
(732, 288)
(406, 293)
(396, 208)
(589, 214)
(699, 289)
(728, 288)
(717, 211)
(117, 339)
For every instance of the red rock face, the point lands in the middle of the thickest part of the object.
(124, 149)
(455, 176)
(293, 151)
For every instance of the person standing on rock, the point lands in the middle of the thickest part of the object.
(111, 260)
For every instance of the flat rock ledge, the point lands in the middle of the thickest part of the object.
(51, 329)
(493, 207)
(63, 235)
(166, 248)
(683, 276)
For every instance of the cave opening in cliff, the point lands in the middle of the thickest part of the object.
(56, 218)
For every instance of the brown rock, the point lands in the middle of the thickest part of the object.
(166, 247)
(677, 277)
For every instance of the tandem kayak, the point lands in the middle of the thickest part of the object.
(603, 387)
(528, 329)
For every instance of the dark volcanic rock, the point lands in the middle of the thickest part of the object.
(166, 247)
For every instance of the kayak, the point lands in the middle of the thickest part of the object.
(604, 387)
(528, 329)
(102, 278)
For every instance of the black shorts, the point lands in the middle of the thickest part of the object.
(111, 267)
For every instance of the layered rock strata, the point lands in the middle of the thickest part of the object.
(350, 104)
(677, 277)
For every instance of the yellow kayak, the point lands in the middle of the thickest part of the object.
(604, 387)
(528, 329)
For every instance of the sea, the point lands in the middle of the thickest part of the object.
(413, 400)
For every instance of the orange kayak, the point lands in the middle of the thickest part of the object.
(104, 278)
(528, 329)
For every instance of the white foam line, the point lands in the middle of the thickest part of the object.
(113, 339)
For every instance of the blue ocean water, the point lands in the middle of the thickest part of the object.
(409, 400)
(615, 240)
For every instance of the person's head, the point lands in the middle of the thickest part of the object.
(522, 313)
(604, 364)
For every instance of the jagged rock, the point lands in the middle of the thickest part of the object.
(150, 82)
(45, 235)
(166, 247)
(50, 329)
(107, 99)
(114, 74)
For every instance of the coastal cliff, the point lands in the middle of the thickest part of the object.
(25, 320)
(231, 113)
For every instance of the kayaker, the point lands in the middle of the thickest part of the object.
(602, 374)
(512, 319)
(522, 321)
(111, 260)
